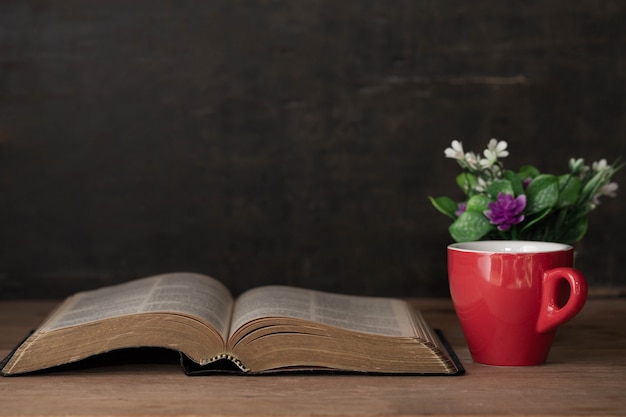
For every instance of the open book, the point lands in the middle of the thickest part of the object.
(266, 329)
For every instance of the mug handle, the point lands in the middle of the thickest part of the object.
(552, 315)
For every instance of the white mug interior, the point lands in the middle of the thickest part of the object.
(509, 246)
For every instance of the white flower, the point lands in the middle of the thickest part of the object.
(496, 149)
(456, 151)
(472, 160)
(600, 165)
(608, 189)
(481, 186)
(497, 171)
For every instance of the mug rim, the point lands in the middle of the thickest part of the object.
(510, 246)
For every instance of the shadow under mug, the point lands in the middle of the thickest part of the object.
(511, 296)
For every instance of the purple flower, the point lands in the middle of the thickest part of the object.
(460, 209)
(506, 211)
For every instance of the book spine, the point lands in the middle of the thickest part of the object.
(226, 356)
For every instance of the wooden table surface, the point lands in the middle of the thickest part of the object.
(585, 375)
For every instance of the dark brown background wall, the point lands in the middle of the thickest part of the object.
(287, 141)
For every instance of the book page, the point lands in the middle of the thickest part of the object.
(384, 316)
(185, 293)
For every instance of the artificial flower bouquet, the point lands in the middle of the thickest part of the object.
(525, 205)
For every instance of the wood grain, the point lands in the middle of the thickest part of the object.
(584, 376)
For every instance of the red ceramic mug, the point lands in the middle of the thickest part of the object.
(511, 296)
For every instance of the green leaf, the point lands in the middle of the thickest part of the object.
(592, 186)
(516, 182)
(500, 186)
(542, 193)
(466, 181)
(445, 205)
(574, 232)
(528, 171)
(478, 203)
(569, 187)
(536, 218)
(470, 226)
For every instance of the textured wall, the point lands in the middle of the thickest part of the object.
(286, 141)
